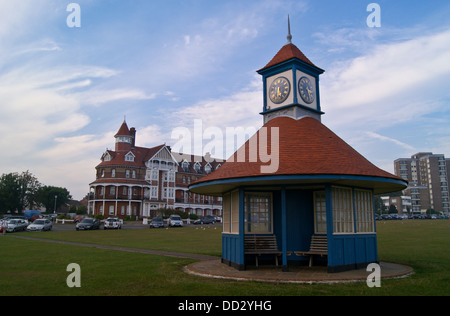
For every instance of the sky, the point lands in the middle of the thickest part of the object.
(65, 89)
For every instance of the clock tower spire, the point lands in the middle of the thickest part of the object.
(291, 84)
(289, 36)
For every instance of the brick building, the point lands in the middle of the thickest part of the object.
(137, 181)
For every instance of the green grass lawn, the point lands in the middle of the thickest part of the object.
(30, 267)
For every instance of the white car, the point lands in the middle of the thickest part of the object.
(112, 223)
(175, 220)
(40, 225)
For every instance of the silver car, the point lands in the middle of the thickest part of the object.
(40, 225)
(15, 225)
(175, 220)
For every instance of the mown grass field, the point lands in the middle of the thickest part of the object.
(30, 267)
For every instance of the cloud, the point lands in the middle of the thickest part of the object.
(392, 78)
(389, 98)
(389, 139)
(207, 44)
(238, 109)
(98, 97)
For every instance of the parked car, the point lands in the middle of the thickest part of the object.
(112, 223)
(15, 225)
(208, 219)
(157, 222)
(40, 225)
(18, 217)
(175, 220)
(88, 224)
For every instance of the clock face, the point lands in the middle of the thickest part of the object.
(279, 90)
(306, 89)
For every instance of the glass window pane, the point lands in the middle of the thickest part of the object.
(258, 213)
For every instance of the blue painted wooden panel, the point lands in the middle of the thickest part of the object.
(231, 248)
(352, 249)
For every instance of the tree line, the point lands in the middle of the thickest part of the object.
(20, 192)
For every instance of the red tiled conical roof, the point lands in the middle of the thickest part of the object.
(307, 150)
(287, 52)
(123, 130)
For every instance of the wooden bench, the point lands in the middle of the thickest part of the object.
(261, 245)
(319, 246)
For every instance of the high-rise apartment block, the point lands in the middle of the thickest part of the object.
(428, 175)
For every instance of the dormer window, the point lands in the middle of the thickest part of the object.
(197, 167)
(107, 156)
(208, 168)
(129, 157)
(185, 165)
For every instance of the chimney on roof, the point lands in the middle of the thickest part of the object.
(133, 137)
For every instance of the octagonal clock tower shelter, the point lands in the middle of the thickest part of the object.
(318, 187)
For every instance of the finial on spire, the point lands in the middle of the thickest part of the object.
(289, 37)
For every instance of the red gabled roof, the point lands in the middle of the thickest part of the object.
(287, 52)
(141, 156)
(305, 147)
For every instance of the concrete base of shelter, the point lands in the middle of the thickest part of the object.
(298, 274)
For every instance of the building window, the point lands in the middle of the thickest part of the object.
(111, 210)
(129, 157)
(258, 213)
(127, 174)
(320, 213)
(364, 211)
(113, 173)
(231, 213)
(154, 192)
(342, 210)
(112, 190)
(133, 174)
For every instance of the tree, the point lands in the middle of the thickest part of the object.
(379, 205)
(29, 185)
(393, 209)
(18, 192)
(9, 192)
(48, 196)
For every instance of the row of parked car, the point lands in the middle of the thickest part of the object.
(414, 216)
(21, 223)
(176, 221)
(92, 224)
